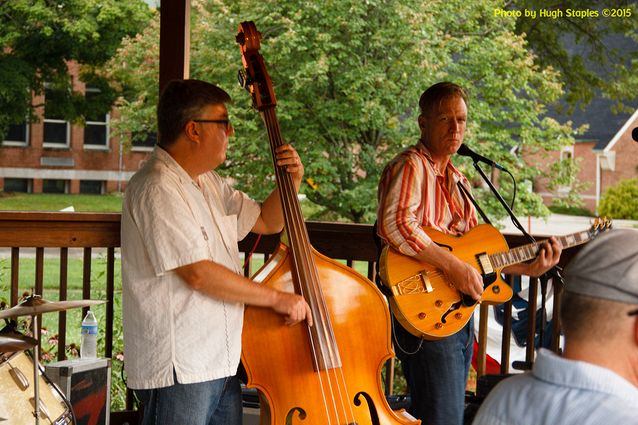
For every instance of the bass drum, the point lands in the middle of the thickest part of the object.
(17, 401)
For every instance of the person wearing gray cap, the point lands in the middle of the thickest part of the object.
(596, 379)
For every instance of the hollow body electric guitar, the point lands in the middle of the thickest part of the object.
(428, 306)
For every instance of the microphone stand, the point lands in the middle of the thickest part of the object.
(553, 273)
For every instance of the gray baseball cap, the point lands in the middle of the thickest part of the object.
(606, 267)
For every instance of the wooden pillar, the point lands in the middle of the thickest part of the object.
(174, 40)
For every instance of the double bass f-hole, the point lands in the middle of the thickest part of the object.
(329, 373)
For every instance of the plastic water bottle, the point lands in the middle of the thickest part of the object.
(88, 345)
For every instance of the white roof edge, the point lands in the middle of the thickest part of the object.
(620, 132)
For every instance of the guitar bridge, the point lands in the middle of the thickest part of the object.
(417, 284)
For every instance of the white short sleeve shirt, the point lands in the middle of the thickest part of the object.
(169, 221)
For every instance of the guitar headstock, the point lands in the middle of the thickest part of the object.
(600, 224)
(254, 76)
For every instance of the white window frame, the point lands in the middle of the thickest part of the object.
(55, 121)
(19, 143)
(29, 183)
(66, 186)
(135, 148)
(105, 123)
(102, 187)
(567, 152)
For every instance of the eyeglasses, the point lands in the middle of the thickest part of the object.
(227, 124)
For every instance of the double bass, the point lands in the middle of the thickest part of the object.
(328, 373)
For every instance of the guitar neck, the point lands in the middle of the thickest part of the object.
(530, 251)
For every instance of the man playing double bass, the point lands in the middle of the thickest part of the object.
(183, 292)
(418, 188)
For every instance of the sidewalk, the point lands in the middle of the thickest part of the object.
(559, 224)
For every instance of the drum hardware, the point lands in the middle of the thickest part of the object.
(33, 306)
(41, 409)
(17, 405)
(21, 381)
(16, 342)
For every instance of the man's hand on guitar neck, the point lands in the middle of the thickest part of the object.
(548, 257)
(459, 273)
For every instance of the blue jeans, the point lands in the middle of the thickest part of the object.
(215, 402)
(436, 373)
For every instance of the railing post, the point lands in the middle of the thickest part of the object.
(531, 323)
(64, 278)
(482, 341)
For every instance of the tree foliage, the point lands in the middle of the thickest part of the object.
(621, 201)
(594, 66)
(39, 37)
(348, 76)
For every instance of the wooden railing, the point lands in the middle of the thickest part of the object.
(101, 232)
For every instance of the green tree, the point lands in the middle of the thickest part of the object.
(348, 75)
(594, 66)
(39, 37)
(621, 201)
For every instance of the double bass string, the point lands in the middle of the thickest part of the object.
(305, 264)
(284, 192)
(285, 189)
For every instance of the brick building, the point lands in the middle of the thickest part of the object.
(606, 152)
(56, 156)
(607, 155)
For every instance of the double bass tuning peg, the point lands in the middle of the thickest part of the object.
(240, 38)
(243, 79)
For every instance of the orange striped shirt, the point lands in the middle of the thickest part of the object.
(412, 193)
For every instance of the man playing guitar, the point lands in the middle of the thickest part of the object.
(418, 188)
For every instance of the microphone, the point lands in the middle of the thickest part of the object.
(465, 151)
(634, 134)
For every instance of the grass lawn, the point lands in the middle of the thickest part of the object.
(51, 277)
(56, 202)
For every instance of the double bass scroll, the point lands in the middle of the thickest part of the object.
(328, 373)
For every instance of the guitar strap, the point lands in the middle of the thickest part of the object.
(476, 205)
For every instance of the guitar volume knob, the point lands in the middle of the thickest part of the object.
(422, 315)
(438, 325)
(438, 303)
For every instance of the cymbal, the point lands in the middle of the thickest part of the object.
(35, 305)
(16, 342)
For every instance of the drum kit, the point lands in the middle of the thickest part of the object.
(43, 400)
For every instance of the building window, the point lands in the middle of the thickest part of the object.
(17, 185)
(55, 186)
(91, 187)
(144, 142)
(56, 129)
(17, 135)
(566, 155)
(96, 130)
